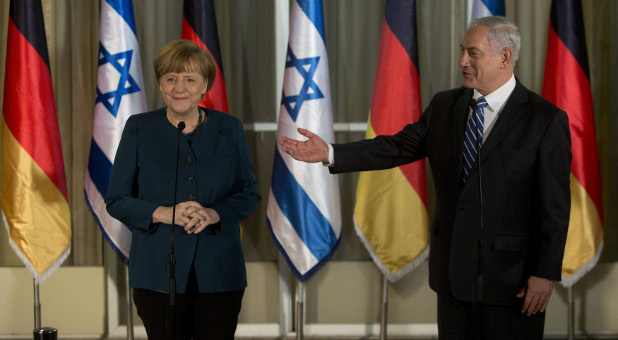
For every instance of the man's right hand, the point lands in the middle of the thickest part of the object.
(311, 151)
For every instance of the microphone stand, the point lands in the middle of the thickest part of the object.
(172, 293)
(481, 241)
(479, 258)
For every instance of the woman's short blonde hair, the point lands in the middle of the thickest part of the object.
(185, 56)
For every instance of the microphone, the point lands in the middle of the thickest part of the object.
(172, 293)
(472, 104)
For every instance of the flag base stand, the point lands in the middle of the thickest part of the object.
(384, 319)
(37, 305)
(571, 315)
(129, 304)
(45, 333)
(300, 301)
(41, 333)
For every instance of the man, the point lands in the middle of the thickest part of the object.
(494, 251)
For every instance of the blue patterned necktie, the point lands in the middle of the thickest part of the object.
(474, 129)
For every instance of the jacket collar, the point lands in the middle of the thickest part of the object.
(512, 112)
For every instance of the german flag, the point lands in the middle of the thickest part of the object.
(199, 25)
(35, 203)
(390, 214)
(567, 85)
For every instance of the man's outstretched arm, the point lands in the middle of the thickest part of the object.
(313, 150)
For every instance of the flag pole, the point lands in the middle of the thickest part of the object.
(129, 304)
(300, 299)
(571, 315)
(384, 321)
(37, 305)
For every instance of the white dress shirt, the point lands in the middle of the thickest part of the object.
(495, 104)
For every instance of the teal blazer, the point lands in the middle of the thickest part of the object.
(215, 170)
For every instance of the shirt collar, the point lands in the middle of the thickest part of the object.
(496, 99)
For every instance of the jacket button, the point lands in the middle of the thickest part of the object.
(191, 197)
(189, 160)
(190, 178)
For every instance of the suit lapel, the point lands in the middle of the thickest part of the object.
(458, 127)
(511, 113)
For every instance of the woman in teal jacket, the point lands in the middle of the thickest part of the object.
(217, 189)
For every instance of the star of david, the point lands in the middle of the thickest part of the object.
(126, 84)
(306, 67)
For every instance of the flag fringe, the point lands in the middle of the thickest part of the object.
(571, 280)
(391, 277)
(39, 278)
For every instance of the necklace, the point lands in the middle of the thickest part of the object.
(199, 122)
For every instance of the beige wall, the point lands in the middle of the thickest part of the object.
(342, 299)
(72, 300)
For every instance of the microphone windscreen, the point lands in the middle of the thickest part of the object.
(181, 126)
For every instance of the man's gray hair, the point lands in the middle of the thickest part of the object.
(503, 33)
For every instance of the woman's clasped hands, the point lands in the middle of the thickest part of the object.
(190, 215)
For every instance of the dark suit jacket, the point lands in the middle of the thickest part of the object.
(526, 196)
(215, 170)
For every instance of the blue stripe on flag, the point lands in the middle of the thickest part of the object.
(313, 10)
(100, 168)
(115, 248)
(496, 7)
(310, 224)
(482, 8)
(308, 274)
(125, 9)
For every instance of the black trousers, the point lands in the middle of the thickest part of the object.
(460, 320)
(211, 316)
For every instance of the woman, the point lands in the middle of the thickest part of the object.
(216, 189)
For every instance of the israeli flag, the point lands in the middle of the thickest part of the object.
(304, 211)
(483, 8)
(120, 94)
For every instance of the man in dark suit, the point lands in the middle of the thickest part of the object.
(500, 225)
